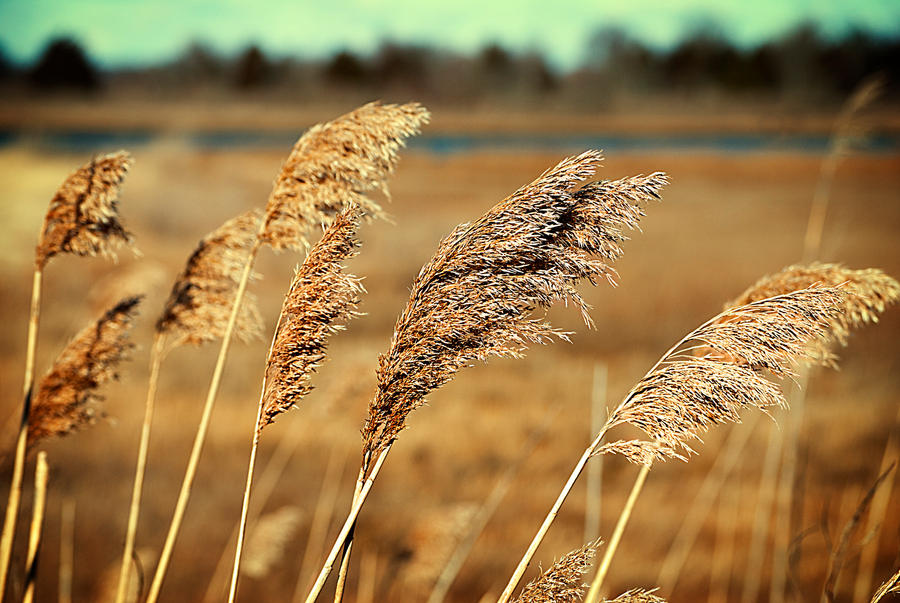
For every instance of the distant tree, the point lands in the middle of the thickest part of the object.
(402, 65)
(64, 64)
(623, 61)
(6, 67)
(496, 62)
(538, 75)
(252, 69)
(200, 63)
(346, 69)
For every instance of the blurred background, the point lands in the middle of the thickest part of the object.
(751, 108)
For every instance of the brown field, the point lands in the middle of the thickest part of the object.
(725, 220)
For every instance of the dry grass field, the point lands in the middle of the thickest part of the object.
(725, 220)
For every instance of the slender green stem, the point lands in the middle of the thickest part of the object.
(15, 489)
(134, 512)
(202, 429)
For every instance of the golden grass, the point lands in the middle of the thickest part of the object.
(535, 377)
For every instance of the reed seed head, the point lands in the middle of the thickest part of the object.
(334, 165)
(83, 218)
(479, 295)
(637, 595)
(321, 299)
(200, 303)
(562, 582)
(67, 396)
(866, 293)
(684, 395)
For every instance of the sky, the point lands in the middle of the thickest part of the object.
(133, 32)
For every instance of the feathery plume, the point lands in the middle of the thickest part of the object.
(321, 298)
(68, 393)
(200, 303)
(476, 297)
(562, 582)
(333, 165)
(637, 595)
(866, 292)
(83, 217)
(684, 395)
(269, 539)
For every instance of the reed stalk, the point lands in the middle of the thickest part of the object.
(718, 369)
(324, 511)
(594, 592)
(594, 486)
(344, 568)
(548, 521)
(37, 523)
(477, 296)
(200, 437)
(15, 489)
(140, 470)
(320, 299)
(348, 526)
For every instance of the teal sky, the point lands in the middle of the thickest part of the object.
(122, 32)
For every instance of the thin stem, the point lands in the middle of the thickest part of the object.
(348, 544)
(15, 489)
(264, 487)
(37, 522)
(66, 550)
(245, 506)
(318, 529)
(594, 593)
(254, 447)
(595, 470)
(548, 521)
(200, 437)
(347, 527)
(134, 512)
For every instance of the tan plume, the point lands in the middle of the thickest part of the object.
(83, 218)
(334, 165)
(200, 303)
(478, 296)
(66, 398)
(321, 298)
(562, 582)
(684, 395)
(637, 595)
(867, 293)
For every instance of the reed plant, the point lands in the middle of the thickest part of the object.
(720, 369)
(82, 220)
(332, 166)
(196, 312)
(477, 297)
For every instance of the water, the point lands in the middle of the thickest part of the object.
(81, 141)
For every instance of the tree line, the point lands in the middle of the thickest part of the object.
(802, 62)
